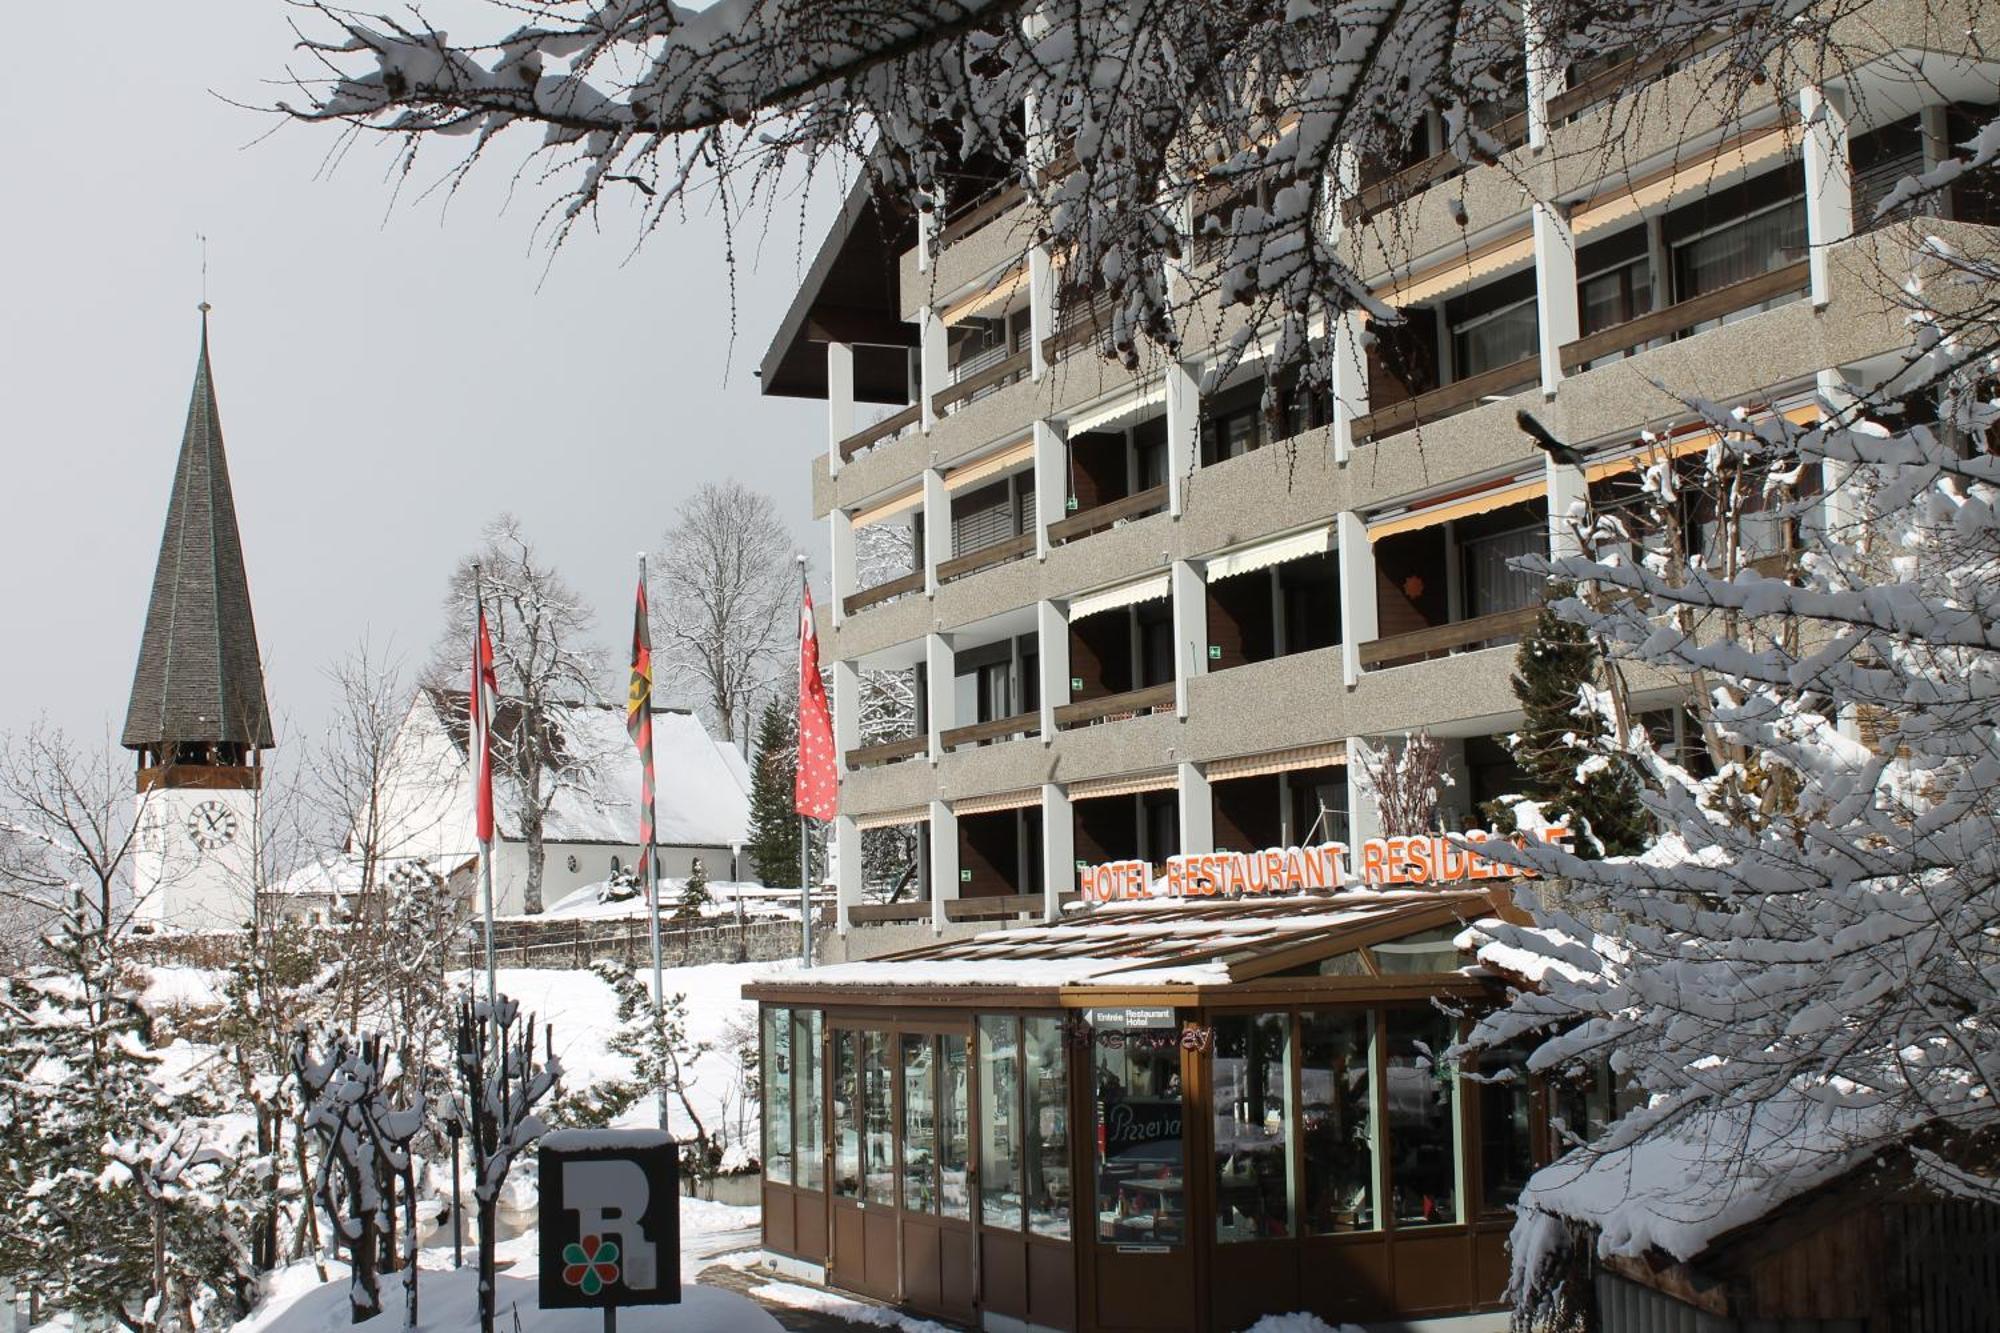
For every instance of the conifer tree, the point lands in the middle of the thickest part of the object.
(694, 894)
(1561, 741)
(774, 823)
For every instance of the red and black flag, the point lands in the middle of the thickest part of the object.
(639, 718)
(484, 688)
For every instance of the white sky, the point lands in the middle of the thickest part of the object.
(391, 373)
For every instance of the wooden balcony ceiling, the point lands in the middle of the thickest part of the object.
(849, 295)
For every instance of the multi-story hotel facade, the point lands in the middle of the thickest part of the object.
(1142, 616)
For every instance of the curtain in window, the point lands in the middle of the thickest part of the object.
(1492, 584)
(1498, 340)
(1756, 244)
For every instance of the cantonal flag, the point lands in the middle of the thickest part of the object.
(816, 790)
(484, 688)
(639, 712)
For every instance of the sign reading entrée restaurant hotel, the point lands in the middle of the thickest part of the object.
(1423, 859)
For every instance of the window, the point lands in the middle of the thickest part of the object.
(777, 1079)
(1506, 1140)
(808, 1128)
(1000, 1130)
(920, 1124)
(954, 1136)
(1492, 584)
(1421, 1099)
(846, 1116)
(1253, 1138)
(1734, 251)
(879, 1165)
(1492, 327)
(1046, 1137)
(1136, 1065)
(1427, 951)
(1336, 1124)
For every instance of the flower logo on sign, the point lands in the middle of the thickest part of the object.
(591, 1265)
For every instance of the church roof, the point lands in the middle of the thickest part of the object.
(199, 676)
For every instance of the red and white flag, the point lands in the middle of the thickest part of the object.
(484, 687)
(816, 789)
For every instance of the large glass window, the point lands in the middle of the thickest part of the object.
(1420, 1098)
(954, 1135)
(777, 1083)
(1141, 1194)
(1739, 250)
(1506, 1142)
(847, 1115)
(1046, 1137)
(999, 1127)
(1490, 341)
(879, 1164)
(808, 1110)
(919, 1124)
(1492, 583)
(1253, 1132)
(1335, 1124)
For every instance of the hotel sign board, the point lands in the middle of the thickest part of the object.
(1426, 859)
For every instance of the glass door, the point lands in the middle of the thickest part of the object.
(864, 1171)
(1143, 1269)
(934, 1188)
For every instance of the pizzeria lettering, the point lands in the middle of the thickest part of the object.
(1424, 859)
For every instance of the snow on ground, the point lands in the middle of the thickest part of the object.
(297, 1302)
(592, 903)
(1298, 1323)
(820, 1301)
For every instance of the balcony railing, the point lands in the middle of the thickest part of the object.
(888, 752)
(999, 553)
(1000, 372)
(1630, 75)
(881, 430)
(984, 909)
(882, 592)
(1082, 322)
(1444, 638)
(1666, 323)
(1453, 397)
(1114, 707)
(999, 728)
(1099, 517)
(1510, 132)
(881, 914)
(979, 212)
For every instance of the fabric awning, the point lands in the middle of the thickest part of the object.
(1094, 788)
(1317, 541)
(998, 801)
(1461, 270)
(1483, 502)
(991, 298)
(1279, 761)
(1627, 201)
(1149, 589)
(914, 814)
(1021, 451)
(889, 508)
(1695, 443)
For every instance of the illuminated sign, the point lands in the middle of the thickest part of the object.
(1433, 858)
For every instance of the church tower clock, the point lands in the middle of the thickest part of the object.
(198, 721)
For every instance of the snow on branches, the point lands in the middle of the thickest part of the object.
(1135, 127)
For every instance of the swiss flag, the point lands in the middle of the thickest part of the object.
(816, 790)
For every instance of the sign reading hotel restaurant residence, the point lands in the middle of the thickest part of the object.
(1425, 859)
(610, 1219)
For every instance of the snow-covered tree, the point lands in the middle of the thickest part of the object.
(727, 605)
(543, 657)
(664, 1065)
(1810, 953)
(1405, 782)
(774, 822)
(694, 894)
(1240, 123)
(71, 831)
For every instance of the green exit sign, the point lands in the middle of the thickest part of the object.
(1076, 682)
(1070, 504)
(965, 877)
(1215, 652)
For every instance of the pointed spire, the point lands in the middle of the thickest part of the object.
(199, 678)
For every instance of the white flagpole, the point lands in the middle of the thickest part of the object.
(652, 866)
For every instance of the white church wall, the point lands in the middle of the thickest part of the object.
(196, 857)
(593, 865)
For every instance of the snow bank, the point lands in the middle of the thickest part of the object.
(819, 1301)
(1298, 1323)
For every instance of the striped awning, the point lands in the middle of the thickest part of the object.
(1093, 788)
(1694, 443)
(1322, 755)
(1480, 502)
(1460, 270)
(1149, 589)
(998, 801)
(913, 814)
(1021, 451)
(1659, 187)
(989, 297)
(1263, 555)
(899, 504)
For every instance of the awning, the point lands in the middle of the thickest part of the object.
(1484, 502)
(998, 801)
(1022, 451)
(1322, 755)
(1460, 270)
(992, 297)
(1698, 442)
(914, 814)
(889, 508)
(1317, 541)
(1627, 201)
(1094, 788)
(1149, 589)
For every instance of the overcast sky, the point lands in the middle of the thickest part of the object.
(392, 373)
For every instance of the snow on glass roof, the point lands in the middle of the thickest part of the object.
(1164, 941)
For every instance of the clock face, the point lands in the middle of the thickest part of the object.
(211, 825)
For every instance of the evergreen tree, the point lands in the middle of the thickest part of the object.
(1560, 744)
(694, 894)
(774, 823)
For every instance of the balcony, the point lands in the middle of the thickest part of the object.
(883, 592)
(1001, 728)
(1456, 636)
(982, 381)
(888, 428)
(1679, 318)
(1434, 404)
(1100, 517)
(888, 752)
(1116, 707)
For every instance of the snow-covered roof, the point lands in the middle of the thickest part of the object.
(1165, 942)
(338, 875)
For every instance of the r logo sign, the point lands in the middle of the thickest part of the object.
(610, 1219)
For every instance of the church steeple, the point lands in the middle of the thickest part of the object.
(198, 692)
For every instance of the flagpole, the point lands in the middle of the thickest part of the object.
(652, 860)
(805, 827)
(485, 844)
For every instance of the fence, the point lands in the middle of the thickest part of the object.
(581, 943)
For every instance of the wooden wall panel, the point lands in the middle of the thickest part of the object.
(1003, 1273)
